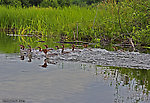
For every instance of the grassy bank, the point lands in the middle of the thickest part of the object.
(47, 20)
(108, 22)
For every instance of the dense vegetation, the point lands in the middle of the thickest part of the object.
(47, 3)
(105, 21)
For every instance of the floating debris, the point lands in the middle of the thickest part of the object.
(73, 42)
(19, 35)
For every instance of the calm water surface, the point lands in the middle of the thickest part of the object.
(67, 82)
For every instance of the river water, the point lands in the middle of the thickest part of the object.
(67, 81)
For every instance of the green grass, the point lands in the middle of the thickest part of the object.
(106, 20)
(48, 20)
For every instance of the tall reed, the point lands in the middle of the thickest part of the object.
(112, 20)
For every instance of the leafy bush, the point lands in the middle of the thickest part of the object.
(15, 3)
(47, 3)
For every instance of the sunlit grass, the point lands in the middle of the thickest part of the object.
(46, 19)
(52, 21)
(109, 20)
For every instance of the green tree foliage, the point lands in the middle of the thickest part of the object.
(11, 2)
(25, 3)
(35, 2)
(63, 3)
(89, 2)
(47, 3)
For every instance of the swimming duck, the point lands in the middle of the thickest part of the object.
(51, 50)
(45, 64)
(29, 54)
(40, 49)
(63, 48)
(39, 52)
(46, 53)
(85, 46)
(31, 51)
(57, 47)
(73, 47)
(58, 50)
(48, 47)
(65, 52)
(22, 48)
(23, 51)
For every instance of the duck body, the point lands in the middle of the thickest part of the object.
(58, 50)
(50, 50)
(66, 51)
(31, 51)
(23, 51)
(39, 52)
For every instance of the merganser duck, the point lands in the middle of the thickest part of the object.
(118, 50)
(73, 47)
(45, 52)
(29, 55)
(86, 47)
(22, 49)
(45, 64)
(57, 47)
(58, 50)
(62, 51)
(32, 51)
(65, 52)
(63, 48)
(40, 49)
(50, 54)
(22, 52)
(39, 53)
(48, 48)
(115, 48)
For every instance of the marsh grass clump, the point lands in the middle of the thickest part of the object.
(106, 21)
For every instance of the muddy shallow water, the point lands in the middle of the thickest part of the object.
(69, 82)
